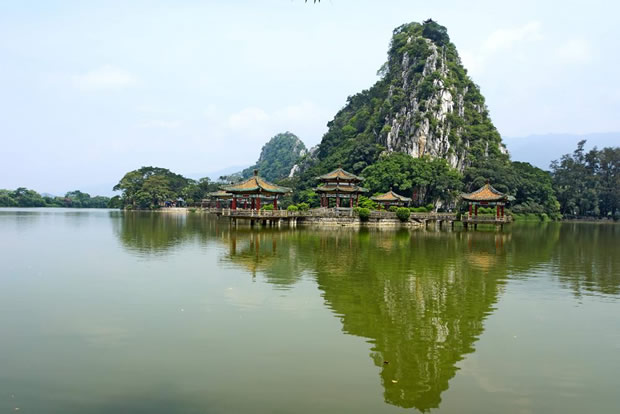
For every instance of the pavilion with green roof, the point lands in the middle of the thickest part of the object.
(217, 197)
(338, 185)
(253, 190)
(486, 196)
(391, 199)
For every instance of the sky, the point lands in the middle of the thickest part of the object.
(90, 90)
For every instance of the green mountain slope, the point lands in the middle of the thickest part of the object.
(424, 105)
(277, 157)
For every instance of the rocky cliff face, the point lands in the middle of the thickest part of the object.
(438, 106)
(425, 104)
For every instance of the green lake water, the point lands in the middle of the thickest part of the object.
(110, 312)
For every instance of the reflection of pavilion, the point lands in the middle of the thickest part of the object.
(264, 252)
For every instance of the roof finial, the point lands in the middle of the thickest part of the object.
(256, 172)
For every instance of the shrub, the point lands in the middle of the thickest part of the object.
(393, 209)
(403, 214)
(292, 208)
(129, 207)
(267, 207)
(303, 206)
(192, 210)
(364, 213)
(366, 202)
(418, 209)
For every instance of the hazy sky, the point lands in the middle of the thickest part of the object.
(92, 89)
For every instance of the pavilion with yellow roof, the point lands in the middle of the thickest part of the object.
(253, 190)
(391, 199)
(486, 196)
(339, 184)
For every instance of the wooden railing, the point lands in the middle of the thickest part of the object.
(348, 212)
(465, 218)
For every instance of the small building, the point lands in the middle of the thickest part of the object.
(251, 192)
(391, 199)
(338, 185)
(486, 196)
(218, 199)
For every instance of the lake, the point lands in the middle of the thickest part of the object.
(103, 311)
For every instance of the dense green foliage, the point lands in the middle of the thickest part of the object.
(23, 197)
(425, 180)
(403, 214)
(530, 186)
(588, 184)
(278, 157)
(363, 213)
(150, 187)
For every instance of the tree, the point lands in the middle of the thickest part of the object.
(426, 180)
(147, 186)
(588, 184)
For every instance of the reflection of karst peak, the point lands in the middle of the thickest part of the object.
(422, 310)
(419, 298)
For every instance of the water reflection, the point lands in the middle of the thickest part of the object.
(419, 298)
(587, 259)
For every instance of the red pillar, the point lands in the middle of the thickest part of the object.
(351, 202)
(469, 209)
(476, 211)
(234, 203)
(357, 199)
(502, 211)
(258, 202)
(337, 200)
(217, 204)
(497, 210)
(275, 203)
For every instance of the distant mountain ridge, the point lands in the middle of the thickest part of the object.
(540, 150)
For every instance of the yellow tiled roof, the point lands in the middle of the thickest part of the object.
(390, 196)
(219, 194)
(339, 174)
(331, 188)
(255, 184)
(485, 193)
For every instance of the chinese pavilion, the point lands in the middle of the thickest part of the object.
(251, 191)
(217, 198)
(391, 199)
(486, 196)
(339, 184)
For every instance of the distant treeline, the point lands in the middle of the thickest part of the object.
(587, 184)
(23, 197)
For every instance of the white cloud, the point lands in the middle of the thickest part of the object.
(158, 123)
(211, 111)
(247, 118)
(575, 51)
(105, 77)
(302, 112)
(290, 117)
(502, 40)
(507, 38)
